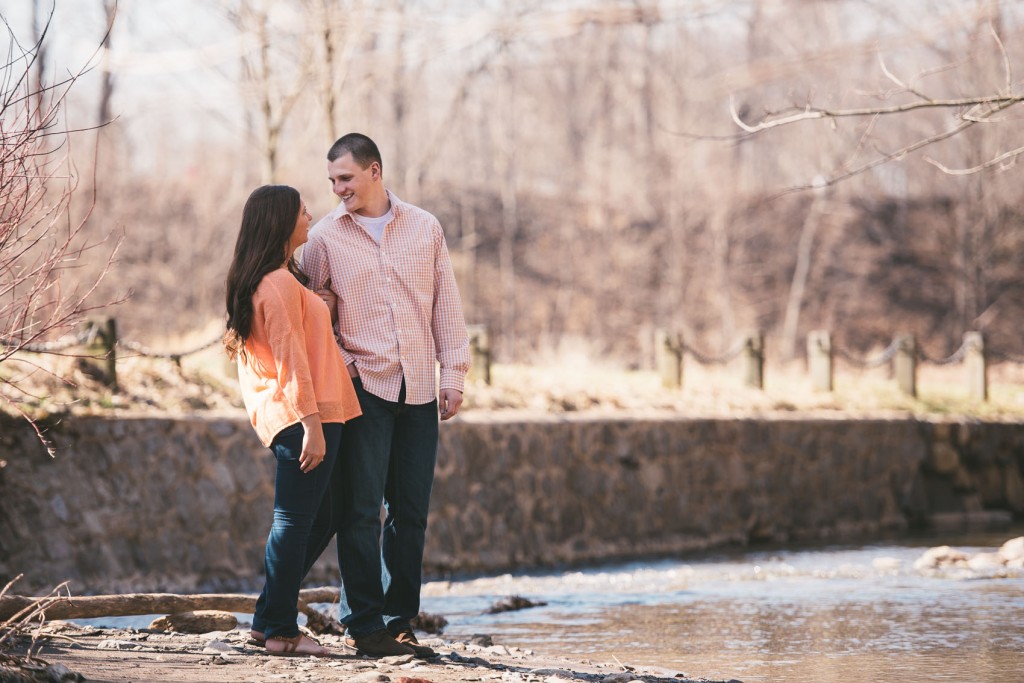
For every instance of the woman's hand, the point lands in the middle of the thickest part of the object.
(314, 447)
(329, 298)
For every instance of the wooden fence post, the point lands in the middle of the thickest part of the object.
(977, 369)
(905, 364)
(754, 355)
(669, 358)
(480, 353)
(103, 347)
(819, 359)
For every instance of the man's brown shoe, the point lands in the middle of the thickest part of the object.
(409, 638)
(379, 644)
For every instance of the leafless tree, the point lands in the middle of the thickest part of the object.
(40, 242)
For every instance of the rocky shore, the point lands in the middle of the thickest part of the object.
(68, 652)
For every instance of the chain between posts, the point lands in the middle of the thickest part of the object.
(708, 359)
(137, 348)
(88, 334)
(1002, 355)
(85, 336)
(865, 363)
(954, 357)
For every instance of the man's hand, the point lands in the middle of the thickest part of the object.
(448, 403)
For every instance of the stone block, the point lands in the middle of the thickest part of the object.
(943, 458)
(1014, 488)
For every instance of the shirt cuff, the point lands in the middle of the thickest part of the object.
(453, 379)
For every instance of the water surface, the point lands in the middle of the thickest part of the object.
(840, 613)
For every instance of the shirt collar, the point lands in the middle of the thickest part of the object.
(397, 207)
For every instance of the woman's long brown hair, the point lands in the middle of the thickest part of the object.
(268, 220)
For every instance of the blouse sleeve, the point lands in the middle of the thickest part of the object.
(284, 308)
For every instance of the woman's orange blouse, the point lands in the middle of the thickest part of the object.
(292, 366)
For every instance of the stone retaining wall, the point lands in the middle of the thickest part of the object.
(183, 504)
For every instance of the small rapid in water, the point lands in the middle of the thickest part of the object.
(840, 613)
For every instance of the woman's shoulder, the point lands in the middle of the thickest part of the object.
(280, 283)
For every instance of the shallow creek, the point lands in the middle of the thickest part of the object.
(838, 613)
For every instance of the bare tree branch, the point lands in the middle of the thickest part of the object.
(1010, 156)
(40, 241)
(777, 119)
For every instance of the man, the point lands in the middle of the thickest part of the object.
(398, 311)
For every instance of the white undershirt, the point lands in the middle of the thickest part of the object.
(374, 227)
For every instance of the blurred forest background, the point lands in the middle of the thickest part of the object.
(586, 158)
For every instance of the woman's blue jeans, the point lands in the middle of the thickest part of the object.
(297, 500)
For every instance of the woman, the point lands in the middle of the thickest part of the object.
(296, 391)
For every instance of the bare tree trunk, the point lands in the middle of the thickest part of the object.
(39, 21)
(798, 286)
(276, 92)
(271, 128)
(721, 276)
(107, 78)
(469, 237)
(505, 147)
(327, 90)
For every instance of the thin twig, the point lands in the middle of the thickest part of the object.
(1005, 156)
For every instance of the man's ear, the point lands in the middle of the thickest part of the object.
(374, 170)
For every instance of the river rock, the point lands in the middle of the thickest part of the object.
(218, 647)
(429, 623)
(199, 621)
(115, 644)
(886, 564)
(620, 677)
(370, 677)
(942, 556)
(1012, 549)
(512, 603)
(985, 561)
(551, 673)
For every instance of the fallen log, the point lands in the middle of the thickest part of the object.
(133, 604)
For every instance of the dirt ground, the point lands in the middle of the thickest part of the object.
(141, 656)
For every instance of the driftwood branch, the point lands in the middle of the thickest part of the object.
(133, 604)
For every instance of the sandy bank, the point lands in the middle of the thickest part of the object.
(129, 655)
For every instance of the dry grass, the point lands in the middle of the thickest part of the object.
(570, 382)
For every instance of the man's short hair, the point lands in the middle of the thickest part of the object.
(363, 150)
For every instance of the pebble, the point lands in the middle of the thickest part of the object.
(622, 677)
(370, 677)
(215, 647)
(112, 644)
(559, 673)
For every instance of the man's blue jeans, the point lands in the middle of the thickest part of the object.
(297, 500)
(388, 453)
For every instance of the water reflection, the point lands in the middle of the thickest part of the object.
(849, 613)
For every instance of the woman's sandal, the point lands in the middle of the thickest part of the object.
(309, 647)
(257, 638)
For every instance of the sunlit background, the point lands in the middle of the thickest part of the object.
(586, 158)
